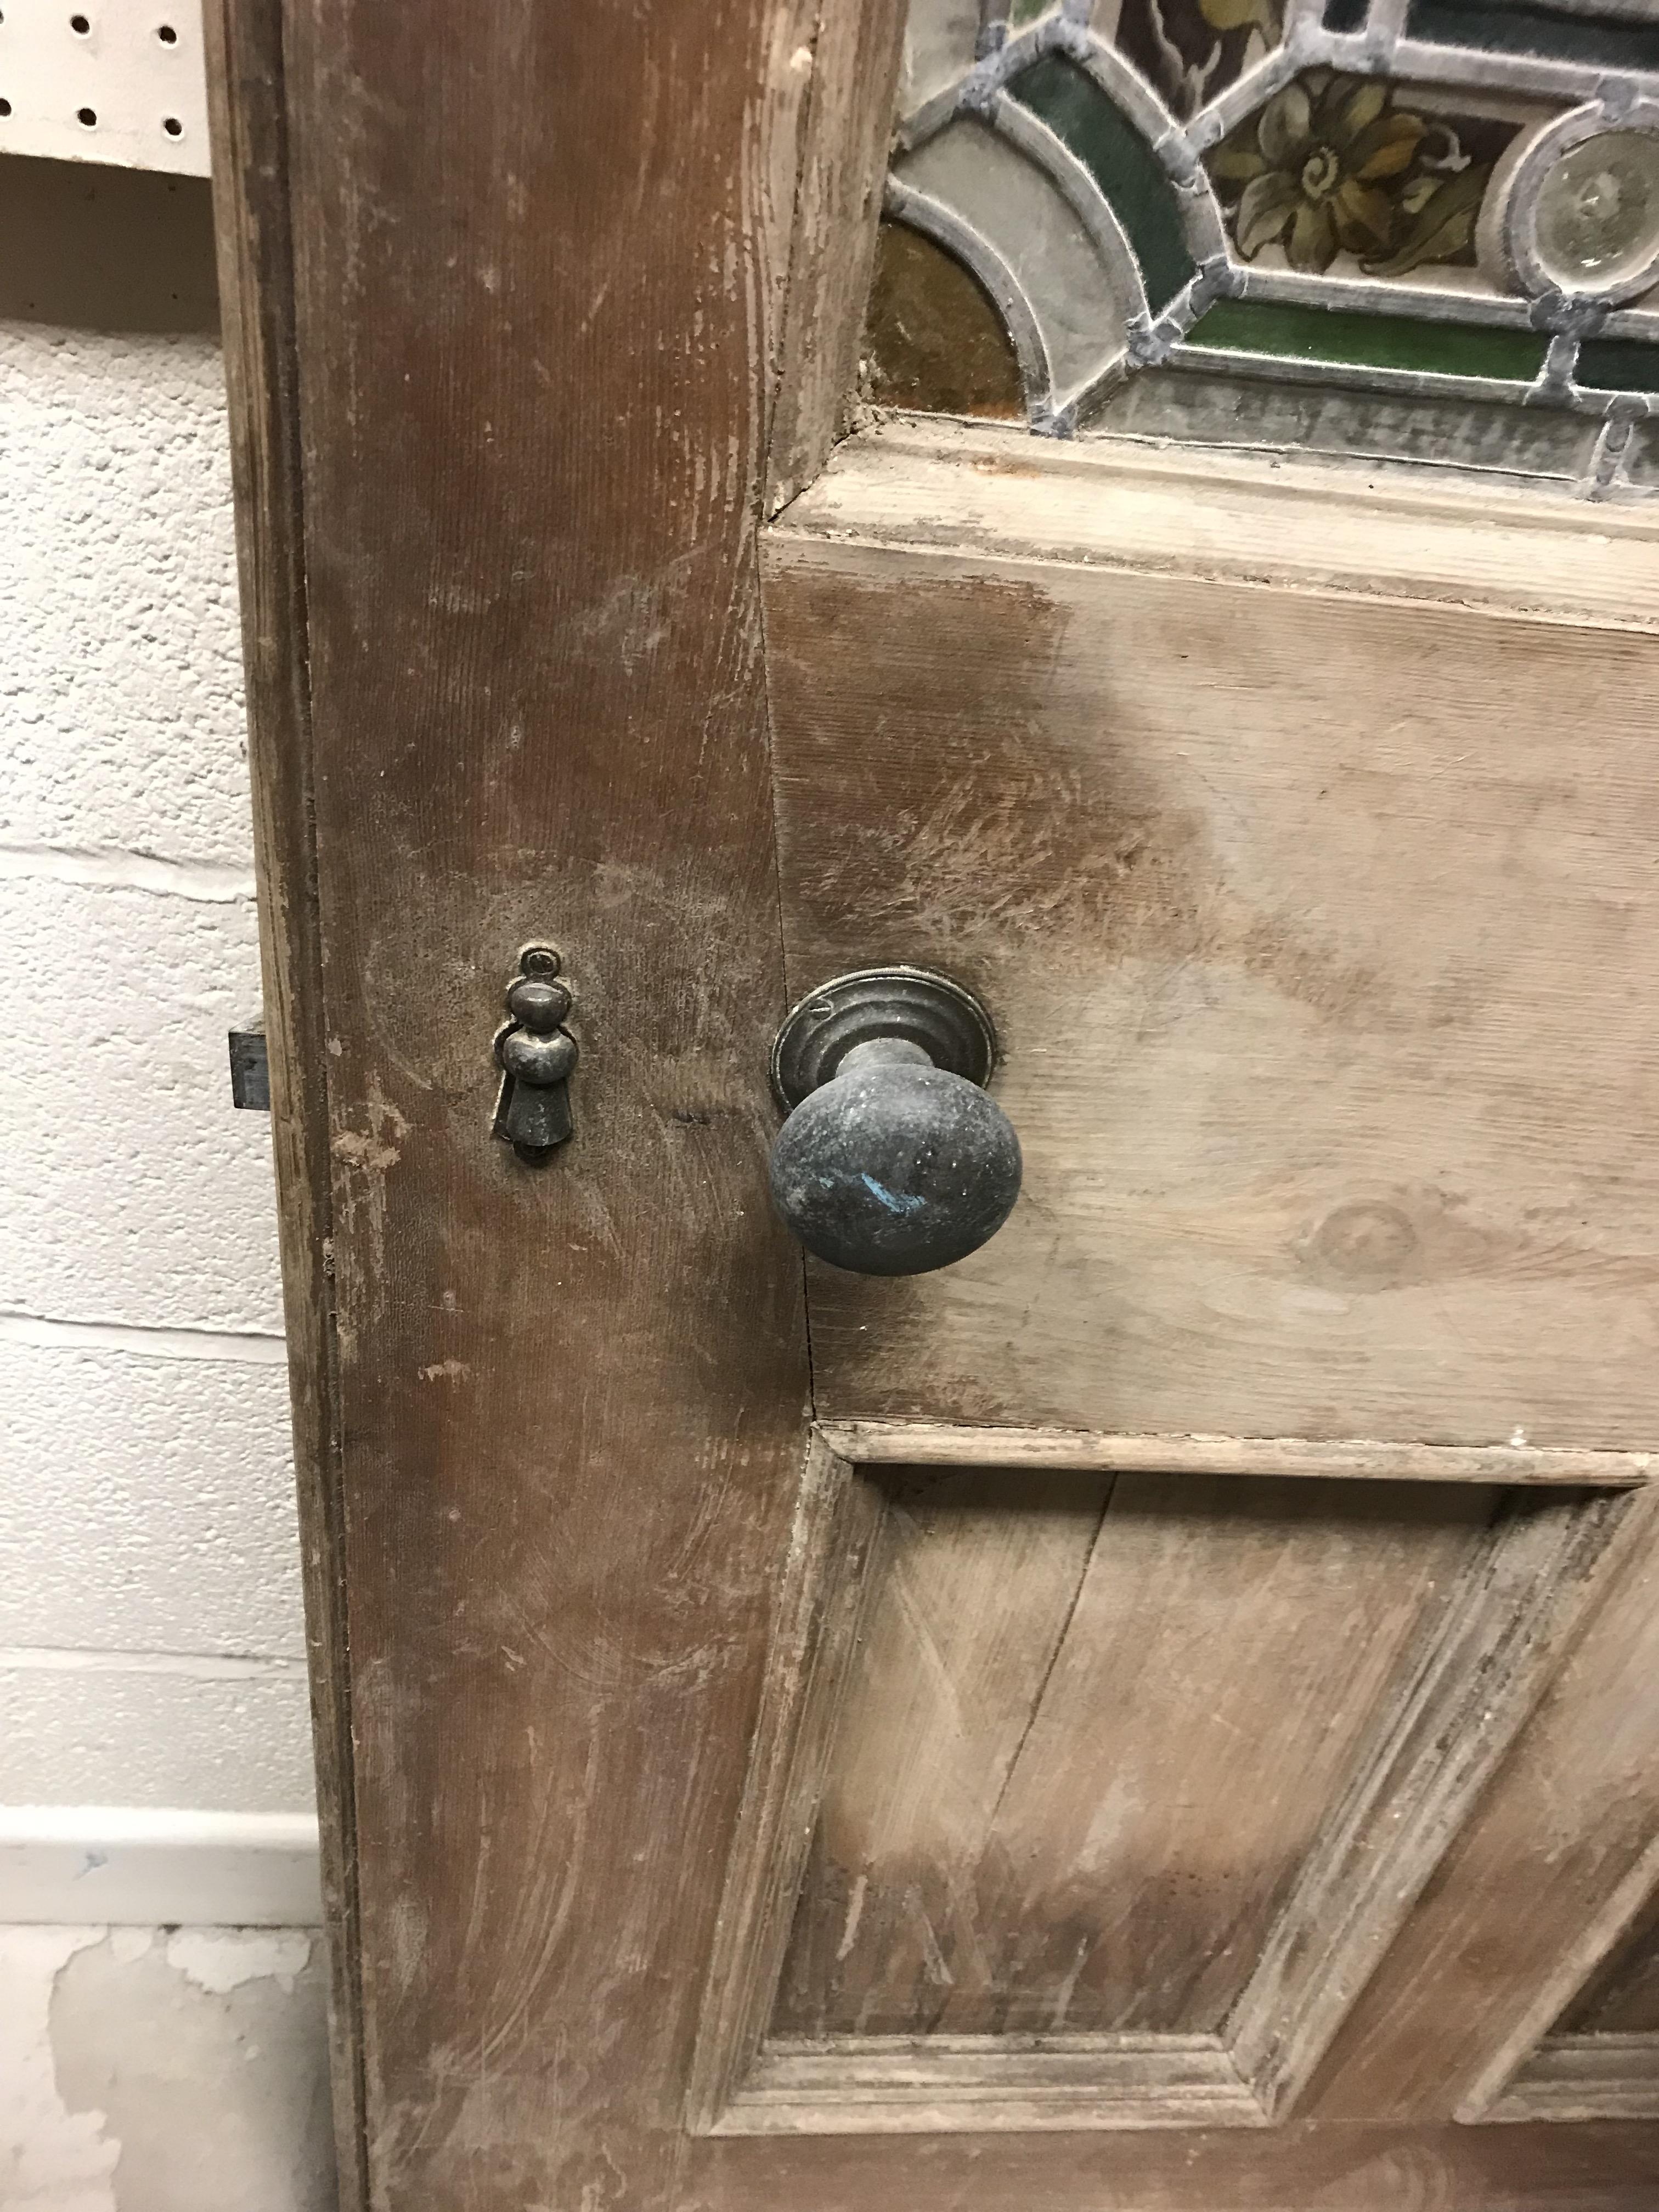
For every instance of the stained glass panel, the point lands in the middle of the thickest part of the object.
(1395, 342)
(1121, 164)
(1601, 40)
(1434, 201)
(935, 341)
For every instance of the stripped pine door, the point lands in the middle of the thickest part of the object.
(1158, 1716)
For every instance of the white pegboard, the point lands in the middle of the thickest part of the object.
(114, 81)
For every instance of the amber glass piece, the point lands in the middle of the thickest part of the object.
(933, 340)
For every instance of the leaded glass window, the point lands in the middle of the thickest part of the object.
(1420, 228)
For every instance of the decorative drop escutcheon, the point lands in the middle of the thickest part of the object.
(536, 1054)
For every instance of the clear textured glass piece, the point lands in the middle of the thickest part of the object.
(939, 37)
(1314, 414)
(1011, 205)
(1598, 209)
(1139, 193)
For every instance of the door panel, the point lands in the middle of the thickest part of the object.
(520, 698)
(1309, 911)
(1311, 922)
(1622, 1995)
(1069, 1799)
(1556, 1863)
(1159, 1718)
(1093, 1803)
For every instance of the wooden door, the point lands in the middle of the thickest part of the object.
(1157, 1717)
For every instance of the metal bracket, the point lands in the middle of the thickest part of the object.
(250, 1071)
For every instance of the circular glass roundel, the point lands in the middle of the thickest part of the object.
(1598, 211)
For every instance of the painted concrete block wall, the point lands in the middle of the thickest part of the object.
(152, 1676)
(150, 1637)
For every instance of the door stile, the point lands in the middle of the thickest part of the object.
(505, 324)
(253, 219)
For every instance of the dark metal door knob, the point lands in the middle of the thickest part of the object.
(894, 1159)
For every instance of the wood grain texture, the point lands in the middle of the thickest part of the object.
(933, 486)
(1308, 918)
(854, 63)
(919, 1622)
(508, 329)
(989, 2084)
(1597, 2168)
(1118, 1789)
(1597, 2062)
(1503, 1628)
(538, 291)
(838, 1523)
(1081, 1758)
(245, 83)
(1621, 1997)
(1585, 2077)
(1536, 1885)
(947, 1443)
(973, 1595)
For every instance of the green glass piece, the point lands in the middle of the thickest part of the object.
(1618, 365)
(1572, 33)
(1341, 337)
(1118, 158)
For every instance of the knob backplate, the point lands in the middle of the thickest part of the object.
(946, 1019)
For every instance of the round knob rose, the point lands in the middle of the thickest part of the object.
(891, 1164)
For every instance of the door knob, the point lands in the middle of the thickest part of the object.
(894, 1159)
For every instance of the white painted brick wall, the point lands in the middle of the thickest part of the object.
(217, 1734)
(120, 683)
(133, 1190)
(150, 1637)
(147, 1505)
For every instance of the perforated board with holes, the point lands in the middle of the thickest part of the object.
(114, 81)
